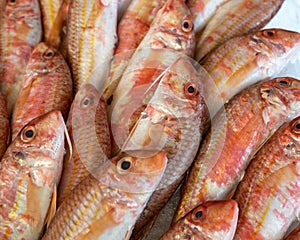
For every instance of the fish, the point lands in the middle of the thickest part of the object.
(238, 17)
(122, 7)
(244, 60)
(30, 171)
(49, 10)
(47, 86)
(210, 220)
(88, 129)
(131, 30)
(170, 36)
(173, 121)
(294, 235)
(240, 129)
(4, 127)
(106, 205)
(91, 35)
(269, 194)
(21, 31)
(203, 11)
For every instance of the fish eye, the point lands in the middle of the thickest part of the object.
(86, 102)
(49, 53)
(190, 90)
(124, 164)
(187, 25)
(28, 134)
(284, 83)
(296, 127)
(12, 2)
(269, 33)
(198, 214)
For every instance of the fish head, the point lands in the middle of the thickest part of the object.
(85, 103)
(214, 220)
(39, 147)
(44, 59)
(282, 96)
(133, 173)
(176, 108)
(290, 140)
(276, 45)
(173, 28)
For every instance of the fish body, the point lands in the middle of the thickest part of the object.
(238, 17)
(241, 128)
(49, 10)
(47, 86)
(89, 133)
(30, 171)
(203, 11)
(269, 194)
(21, 31)
(106, 206)
(91, 40)
(166, 40)
(132, 28)
(242, 61)
(4, 127)
(172, 121)
(214, 220)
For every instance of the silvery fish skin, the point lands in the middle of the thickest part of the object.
(132, 28)
(172, 121)
(269, 194)
(245, 123)
(89, 134)
(294, 235)
(209, 221)
(242, 61)
(47, 85)
(91, 40)
(106, 207)
(171, 35)
(238, 17)
(30, 171)
(21, 31)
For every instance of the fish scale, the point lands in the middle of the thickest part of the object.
(91, 40)
(215, 175)
(49, 9)
(173, 121)
(21, 22)
(238, 17)
(30, 172)
(106, 207)
(244, 60)
(269, 192)
(88, 129)
(47, 86)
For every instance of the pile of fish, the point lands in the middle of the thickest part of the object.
(109, 108)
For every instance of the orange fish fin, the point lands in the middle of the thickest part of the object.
(52, 207)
